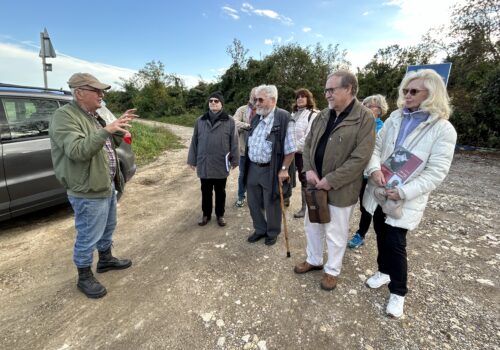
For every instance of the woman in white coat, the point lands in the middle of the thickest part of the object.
(420, 126)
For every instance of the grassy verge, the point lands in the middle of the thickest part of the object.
(149, 142)
(186, 119)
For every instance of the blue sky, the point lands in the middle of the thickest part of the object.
(113, 39)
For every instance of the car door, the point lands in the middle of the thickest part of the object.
(4, 195)
(29, 173)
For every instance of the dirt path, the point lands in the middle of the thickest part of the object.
(194, 287)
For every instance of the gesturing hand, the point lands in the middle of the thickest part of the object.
(120, 124)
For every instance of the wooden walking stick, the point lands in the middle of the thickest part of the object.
(282, 203)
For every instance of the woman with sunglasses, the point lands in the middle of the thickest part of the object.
(303, 112)
(419, 126)
(378, 105)
(213, 152)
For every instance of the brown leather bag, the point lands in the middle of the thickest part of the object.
(317, 206)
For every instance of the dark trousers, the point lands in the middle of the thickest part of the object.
(366, 217)
(208, 186)
(391, 244)
(299, 164)
(264, 209)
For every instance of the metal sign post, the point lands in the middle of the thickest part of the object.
(46, 50)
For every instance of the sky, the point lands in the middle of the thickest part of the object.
(114, 39)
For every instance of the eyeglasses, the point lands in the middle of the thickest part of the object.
(97, 91)
(412, 92)
(258, 99)
(372, 106)
(213, 100)
(332, 90)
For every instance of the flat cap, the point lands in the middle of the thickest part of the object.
(85, 79)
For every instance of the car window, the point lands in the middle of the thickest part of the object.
(28, 117)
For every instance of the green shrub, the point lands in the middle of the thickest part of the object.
(149, 142)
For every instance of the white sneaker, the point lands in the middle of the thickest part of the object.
(395, 305)
(378, 280)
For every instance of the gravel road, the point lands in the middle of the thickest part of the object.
(194, 287)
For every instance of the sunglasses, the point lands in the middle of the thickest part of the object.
(97, 91)
(258, 99)
(332, 90)
(412, 92)
(213, 100)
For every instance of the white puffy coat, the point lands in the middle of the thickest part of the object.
(436, 149)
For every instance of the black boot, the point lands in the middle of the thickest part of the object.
(302, 211)
(88, 284)
(108, 262)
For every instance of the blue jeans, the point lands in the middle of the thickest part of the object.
(241, 185)
(95, 222)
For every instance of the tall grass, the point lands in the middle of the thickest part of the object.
(149, 142)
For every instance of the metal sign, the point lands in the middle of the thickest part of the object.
(46, 48)
(443, 69)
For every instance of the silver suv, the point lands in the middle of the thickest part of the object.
(27, 180)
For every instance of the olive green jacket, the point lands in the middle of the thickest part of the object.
(80, 162)
(347, 153)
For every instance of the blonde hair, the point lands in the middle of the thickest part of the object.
(438, 101)
(377, 100)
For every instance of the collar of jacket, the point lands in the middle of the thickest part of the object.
(223, 116)
(350, 119)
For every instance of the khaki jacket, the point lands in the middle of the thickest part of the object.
(243, 125)
(347, 153)
(80, 162)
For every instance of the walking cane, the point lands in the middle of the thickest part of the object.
(282, 203)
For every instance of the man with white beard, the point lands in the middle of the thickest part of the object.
(269, 152)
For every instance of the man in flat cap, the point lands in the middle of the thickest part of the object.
(85, 162)
(213, 152)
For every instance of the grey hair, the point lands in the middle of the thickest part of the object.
(270, 90)
(377, 100)
(347, 79)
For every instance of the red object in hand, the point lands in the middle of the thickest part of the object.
(128, 138)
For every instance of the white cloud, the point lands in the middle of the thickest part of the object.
(230, 12)
(366, 13)
(246, 7)
(22, 66)
(249, 9)
(250, 26)
(275, 40)
(415, 18)
(306, 29)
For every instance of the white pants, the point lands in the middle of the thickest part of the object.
(337, 232)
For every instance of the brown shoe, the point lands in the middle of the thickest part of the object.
(304, 267)
(221, 221)
(204, 220)
(328, 282)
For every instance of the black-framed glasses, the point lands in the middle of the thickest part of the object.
(213, 100)
(97, 91)
(412, 92)
(332, 90)
(258, 99)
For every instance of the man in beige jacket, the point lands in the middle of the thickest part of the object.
(243, 117)
(337, 149)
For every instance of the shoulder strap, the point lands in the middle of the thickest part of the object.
(310, 114)
(424, 131)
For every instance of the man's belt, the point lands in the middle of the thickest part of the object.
(262, 165)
